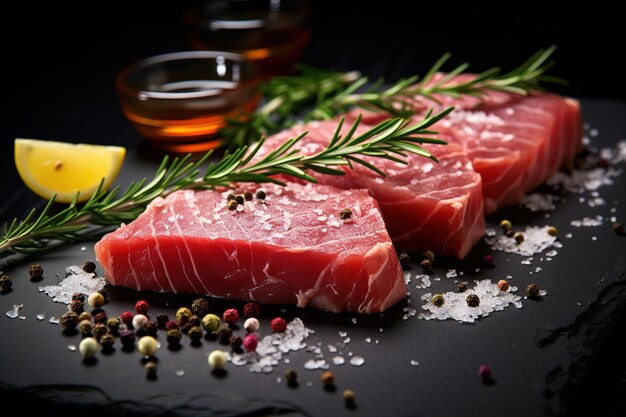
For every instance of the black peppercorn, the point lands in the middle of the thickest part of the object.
(260, 195)
(173, 337)
(195, 334)
(162, 320)
(89, 267)
(150, 328)
(473, 300)
(200, 307)
(247, 196)
(101, 317)
(235, 343)
(5, 284)
(405, 260)
(99, 330)
(462, 286)
(76, 306)
(251, 309)
(127, 338)
(36, 272)
(328, 379)
(107, 341)
(186, 327)
(69, 321)
(105, 294)
(151, 369)
(195, 320)
(224, 333)
(430, 255)
(345, 214)
(230, 197)
(291, 376)
(239, 199)
(618, 228)
(78, 296)
(426, 264)
(532, 290)
(349, 398)
(232, 205)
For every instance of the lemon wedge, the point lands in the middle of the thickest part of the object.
(64, 169)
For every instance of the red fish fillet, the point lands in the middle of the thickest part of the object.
(291, 249)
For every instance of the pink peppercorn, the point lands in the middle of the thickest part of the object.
(142, 307)
(127, 318)
(250, 342)
(172, 324)
(231, 316)
(488, 259)
(278, 325)
(484, 372)
(251, 310)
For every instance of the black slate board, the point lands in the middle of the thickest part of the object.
(539, 353)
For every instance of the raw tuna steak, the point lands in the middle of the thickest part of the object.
(291, 249)
(426, 205)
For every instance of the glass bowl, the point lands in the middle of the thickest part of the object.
(272, 33)
(179, 101)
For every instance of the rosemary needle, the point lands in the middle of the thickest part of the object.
(392, 139)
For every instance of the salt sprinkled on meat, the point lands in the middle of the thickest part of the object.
(536, 239)
(539, 202)
(456, 308)
(76, 280)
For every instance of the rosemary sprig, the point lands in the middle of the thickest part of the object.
(321, 95)
(393, 139)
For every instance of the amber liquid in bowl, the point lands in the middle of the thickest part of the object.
(180, 102)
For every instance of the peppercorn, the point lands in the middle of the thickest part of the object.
(484, 372)
(195, 320)
(519, 237)
(95, 300)
(328, 379)
(127, 318)
(430, 255)
(250, 342)
(5, 284)
(151, 369)
(217, 359)
(603, 163)
(503, 285)
(99, 330)
(162, 320)
(211, 323)
(251, 325)
(405, 260)
(506, 225)
(172, 324)
(278, 325)
(101, 317)
(107, 341)
(426, 264)
(89, 267)
(251, 309)
(150, 328)
(147, 346)
(260, 195)
(186, 327)
(224, 333)
(232, 205)
(438, 300)
(69, 321)
(142, 307)
(552, 231)
(78, 296)
(532, 290)
(239, 199)
(473, 300)
(349, 398)
(85, 327)
(247, 196)
(182, 315)
(235, 343)
(113, 324)
(195, 334)
(510, 233)
(291, 376)
(618, 228)
(200, 307)
(139, 320)
(88, 347)
(84, 316)
(127, 338)
(345, 214)
(488, 259)
(96, 311)
(36, 272)
(105, 294)
(231, 316)
(230, 197)
(76, 306)
(173, 337)
(462, 286)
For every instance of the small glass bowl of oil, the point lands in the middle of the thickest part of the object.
(180, 101)
(271, 33)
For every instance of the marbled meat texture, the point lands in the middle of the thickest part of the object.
(426, 205)
(291, 249)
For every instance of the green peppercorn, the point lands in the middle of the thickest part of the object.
(405, 260)
(506, 225)
(430, 255)
(426, 264)
(519, 237)
(532, 290)
(76, 306)
(5, 284)
(84, 316)
(107, 341)
(150, 369)
(291, 376)
(173, 337)
(230, 197)
(349, 398)
(232, 205)
(69, 321)
(89, 267)
(211, 323)
(239, 199)
(85, 327)
(260, 195)
(195, 334)
(113, 324)
(200, 307)
(247, 196)
(462, 286)
(328, 379)
(345, 214)
(438, 300)
(182, 315)
(552, 231)
(36, 272)
(473, 300)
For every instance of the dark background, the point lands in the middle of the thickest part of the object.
(60, 60)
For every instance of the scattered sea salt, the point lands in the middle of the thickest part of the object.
(338, 360)
(41, 316)
(313, 364)
(342, 333)
(332, 349)
(15, 311)
(451, 273)
(588, 222)
(368, 340)
(357, 361)
(414, 362)
(353, 320)
(53, 320)
(71, 347)
(539, 202)
(536, 239)
(76, 280)
(180, 372)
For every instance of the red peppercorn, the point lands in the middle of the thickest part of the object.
(250, 342)
(142, 307)
(484, 372)
(231, 316)
(488, 259)
(172, 324)
(278, 325)
(251, 310)
(127, 318)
